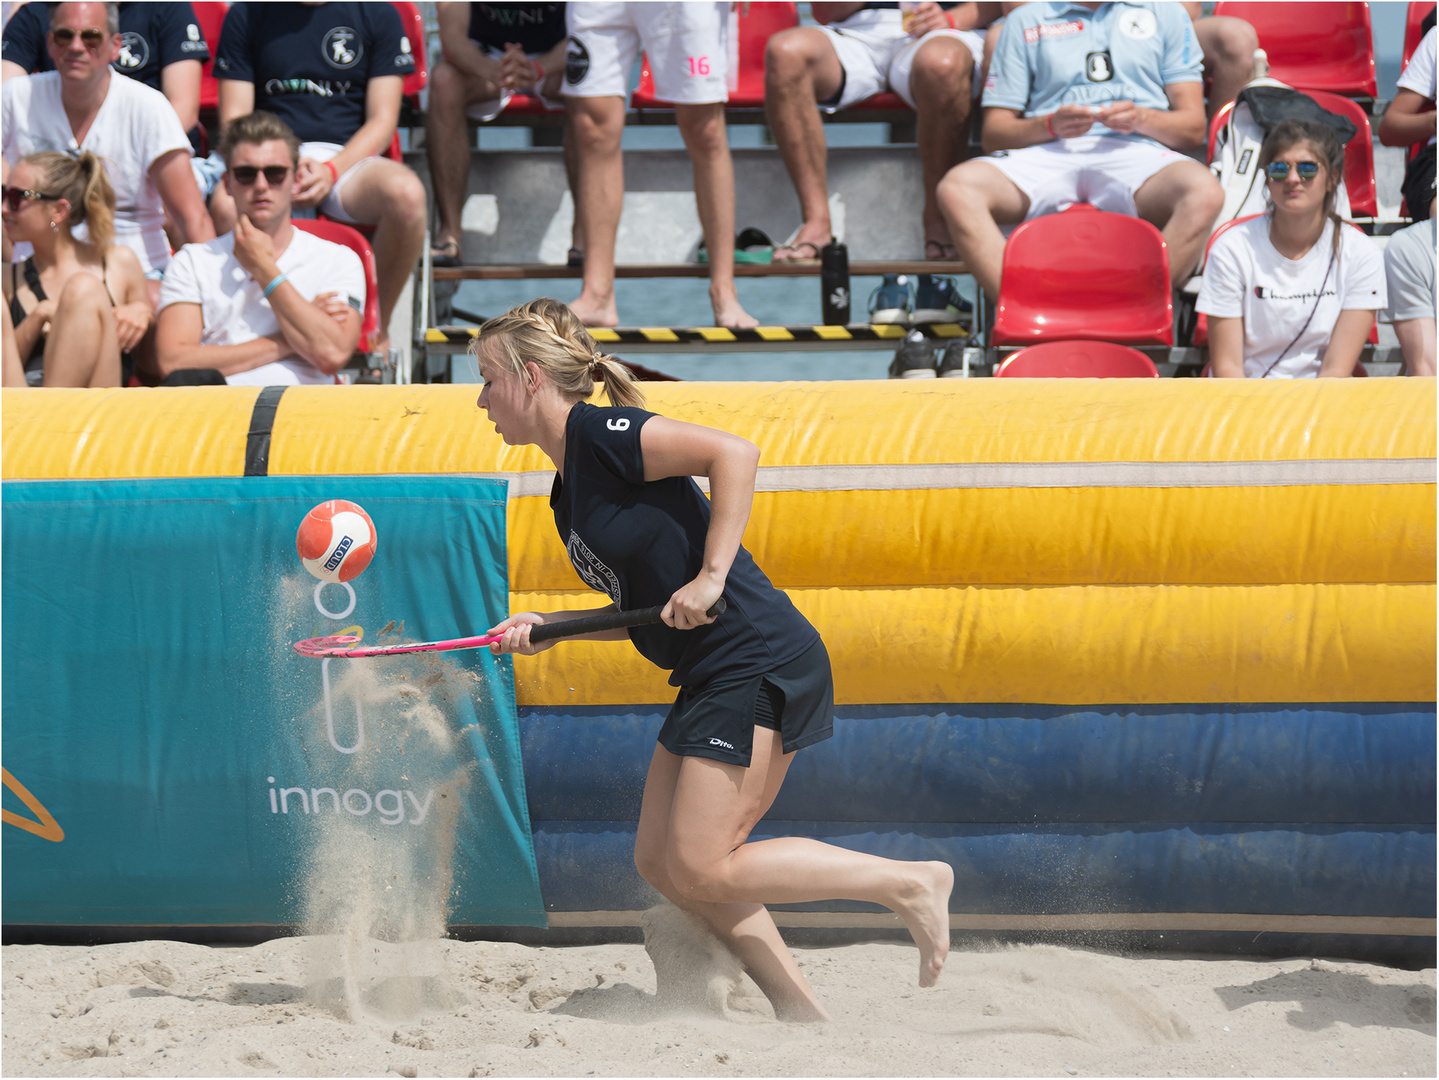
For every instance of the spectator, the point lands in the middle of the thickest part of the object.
(1292, 294)
(927, 57)
(265, 304)
(688, 55)
(1087, 102)
(335, 74)
(132, 128)
(490, 52)
(1409, 278)
(1409, 119)
(75, 305)
(161, 46)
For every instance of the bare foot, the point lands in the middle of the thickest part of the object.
(728, 312)
(804, 246)
(596, 313)
(925, 910)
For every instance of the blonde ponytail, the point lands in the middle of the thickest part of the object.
(546, 332)
(82, 182)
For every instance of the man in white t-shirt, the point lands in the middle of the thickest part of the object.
(1409, 270)
(84, 105)
(265, 304)
(1409, 119)
(1290, 306)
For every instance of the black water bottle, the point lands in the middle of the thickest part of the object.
(834, 283)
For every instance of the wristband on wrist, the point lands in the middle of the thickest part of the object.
(1049, 123)
(334, 173)
(539, 72)
(949, 18)
(275, 283)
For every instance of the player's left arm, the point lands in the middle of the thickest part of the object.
(673, 448)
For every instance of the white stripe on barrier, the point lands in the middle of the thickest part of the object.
(1056, 474)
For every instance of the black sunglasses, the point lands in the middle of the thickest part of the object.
(14, 196)
(92, 39)
(274, 174)
(1279, 170)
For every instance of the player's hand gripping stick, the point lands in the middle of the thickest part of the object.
(346, 645)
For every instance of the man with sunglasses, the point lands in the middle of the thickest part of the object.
(334, 72)
(266, 304)
(1088, 102)
(85, 105)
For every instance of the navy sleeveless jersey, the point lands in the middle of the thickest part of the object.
(312, 63)
(535, 28)
(638, 542)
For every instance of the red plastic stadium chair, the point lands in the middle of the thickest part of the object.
(1314, 46)
(1085, 275)
(338, 233)
(210, 14)
(755, 29)
(414, 24)
(1413, 34)
(1358, 151)
(1078, 360)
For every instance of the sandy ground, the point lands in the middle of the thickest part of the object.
(450, 1008)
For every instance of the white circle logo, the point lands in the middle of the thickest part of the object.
(1138, 24)
(134, 52)
(342, 47)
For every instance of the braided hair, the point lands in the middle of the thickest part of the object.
(546, 332)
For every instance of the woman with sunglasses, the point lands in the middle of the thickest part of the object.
(1292, 293)
(76, 305)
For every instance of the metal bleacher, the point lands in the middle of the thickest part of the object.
(518, 216)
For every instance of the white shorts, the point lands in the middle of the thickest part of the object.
(877, 55)
(333, 205)
(488, 110)
(687, 45)
(1099, 169)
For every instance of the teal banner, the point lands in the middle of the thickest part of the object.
(170, 760)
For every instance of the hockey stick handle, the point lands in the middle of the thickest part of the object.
(609, 620)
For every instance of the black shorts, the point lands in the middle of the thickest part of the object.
(717, 720)
(1418, 185)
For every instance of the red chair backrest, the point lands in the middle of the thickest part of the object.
(1078, 360)
(1314, 46)
(210, 14)
(756, 26)
(1358, 151)
(1413, 34)
(1085, 274)
(414, 23)
(339, 233)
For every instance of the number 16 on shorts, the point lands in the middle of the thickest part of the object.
(698, 65)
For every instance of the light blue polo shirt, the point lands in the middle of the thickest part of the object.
(1053, 54)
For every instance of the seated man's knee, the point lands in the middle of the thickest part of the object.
(943, 64)
(787, 56)
(1232, 39)
(404, 195)
(595, 131)
(959, 191)
(447, 86)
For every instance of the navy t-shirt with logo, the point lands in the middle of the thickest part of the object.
(535, 28)
(638, 542)
(311, 63)
(152, 35)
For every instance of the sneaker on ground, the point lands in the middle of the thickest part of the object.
(951, 364)
(890, 302)
(914, 359)
(936, 300)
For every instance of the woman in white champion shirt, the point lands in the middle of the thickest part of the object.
(1292, 293)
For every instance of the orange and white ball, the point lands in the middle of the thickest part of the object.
(336, 540)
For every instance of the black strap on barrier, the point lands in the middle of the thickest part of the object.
(262, 421)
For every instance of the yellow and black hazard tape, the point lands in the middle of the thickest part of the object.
(719, 335)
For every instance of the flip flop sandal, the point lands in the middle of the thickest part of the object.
(753, 246)
(575, 258)
(446, 254)
(946, 252)
(803, 260)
